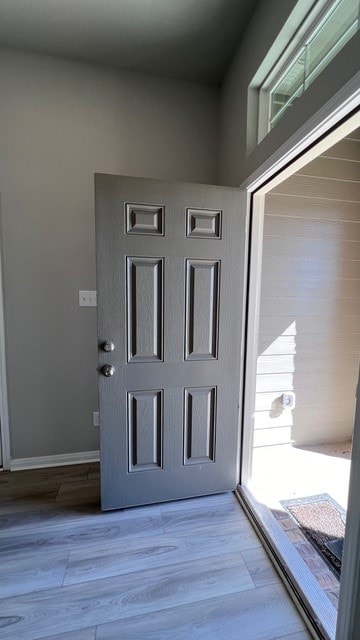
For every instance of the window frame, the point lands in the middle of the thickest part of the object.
(308, 29)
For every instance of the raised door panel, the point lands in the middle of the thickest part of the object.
(202, 296)
(202, 223)
(144, 219)
(199, 425)
(145, 429)
(145, 309)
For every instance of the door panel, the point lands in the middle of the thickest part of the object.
(145, 429)
(199, 425)
(144, 309)
(170, 260)
(202, 283)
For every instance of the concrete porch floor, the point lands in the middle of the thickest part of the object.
(283, 472)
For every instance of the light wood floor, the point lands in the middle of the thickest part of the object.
(182, 570)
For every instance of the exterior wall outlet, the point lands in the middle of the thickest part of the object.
(87, 299)
(96, 419)
(288, 400)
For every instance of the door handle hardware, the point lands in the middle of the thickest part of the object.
(108, 346)
(108, 370)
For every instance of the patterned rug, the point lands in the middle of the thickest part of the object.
(322, 521)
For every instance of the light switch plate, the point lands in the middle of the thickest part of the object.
(87, 299)
(96, 419)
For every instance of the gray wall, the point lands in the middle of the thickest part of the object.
(60, 122)
(309, 338)
(271, 20)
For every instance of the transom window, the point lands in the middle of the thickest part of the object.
(332, 28)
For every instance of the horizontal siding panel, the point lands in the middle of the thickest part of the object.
(295, 267)
(275, 364)
(320, 188)
(308, 397)
(310, 249)
(317, 432)
(300, 364)
(283, 227)
(274, 326)
(264, 419)
(265, 437)
(333, 168)
(310, 302)
(327, 343)
(276, 345)
(308, 416)
(309, 208)
(308, 307)
(280, 383)
(354, 135)
(345, 149)
(285, 381)
(288, 286)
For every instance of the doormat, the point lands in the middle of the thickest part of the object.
(322, 521)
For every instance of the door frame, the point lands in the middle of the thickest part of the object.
(4, 408)
(333, 121)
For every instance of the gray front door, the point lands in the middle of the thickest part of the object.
(169, 280)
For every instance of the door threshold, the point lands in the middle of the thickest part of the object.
(316, 609)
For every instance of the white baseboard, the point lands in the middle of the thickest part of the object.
(19, 464)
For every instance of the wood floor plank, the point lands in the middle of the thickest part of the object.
(48, 514)
(220, 500)
(241, 531)
(183, 519)
(30, 492)
(41, 614)
(94, 471)
(79, 634)
(43, 477)
(76, 489)
(31, 572)
(41, 517)
(143, 553)
(119, 556)
(262, 614)
(261, 570)
(191, 568)
(301, 635)
(77, 535)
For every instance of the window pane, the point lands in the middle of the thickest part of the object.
(332, 36)
(328, 36)
(290, 86)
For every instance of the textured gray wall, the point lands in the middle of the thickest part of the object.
(60, 122)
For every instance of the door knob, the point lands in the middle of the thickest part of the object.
(108, 370)
(108, 346)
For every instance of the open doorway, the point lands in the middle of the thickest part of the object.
(305, 349)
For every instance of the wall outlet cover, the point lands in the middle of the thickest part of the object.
(87, 299)
(288, 400)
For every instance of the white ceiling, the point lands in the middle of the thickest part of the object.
(189, 39)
